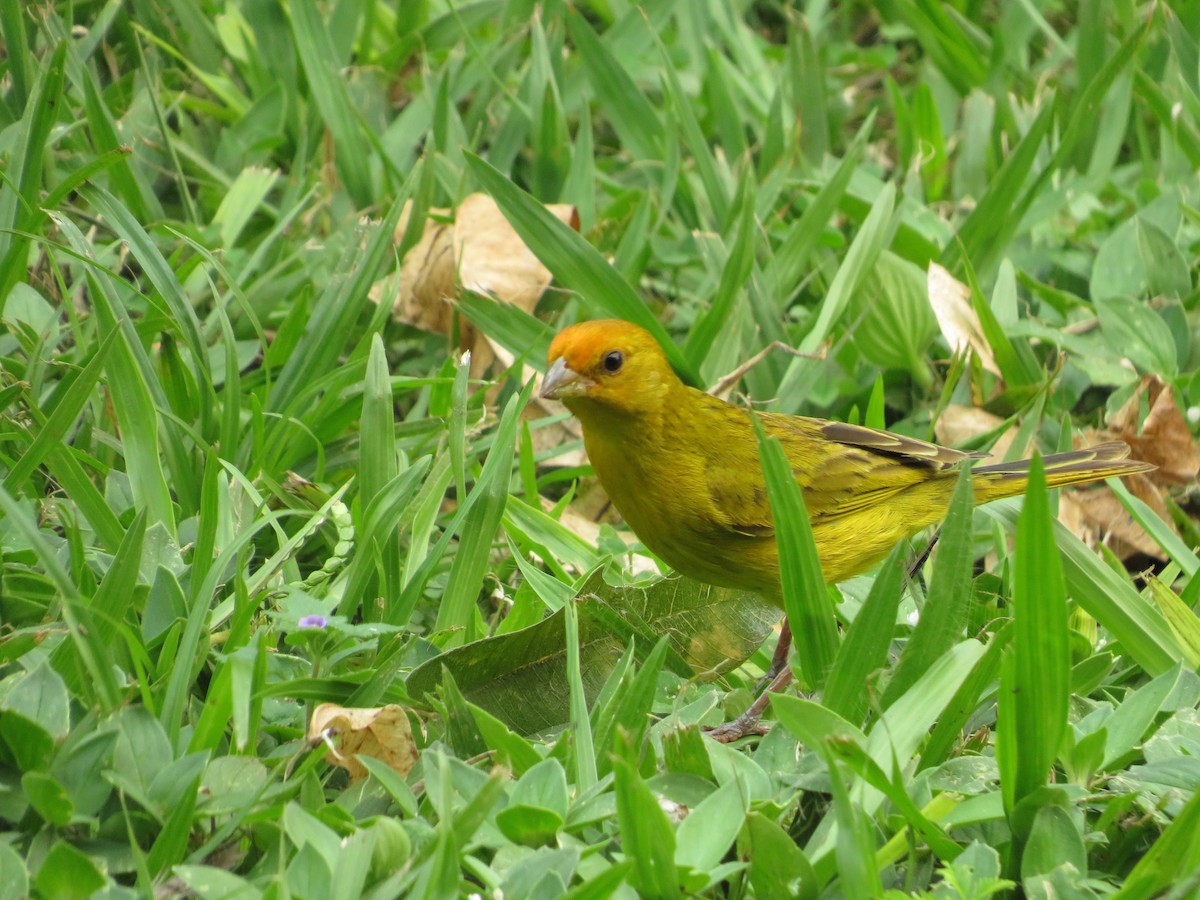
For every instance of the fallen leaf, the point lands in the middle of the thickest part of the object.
(520, 677)
(381, 732)
(959, 423)
(427, 277)
(1164, 438)
(1095, 515)
(478, 251)
(951, 302)
(492, 257)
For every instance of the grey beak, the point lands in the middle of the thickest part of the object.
(561, 382)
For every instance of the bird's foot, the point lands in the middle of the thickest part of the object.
(746, 724)
(750, 722)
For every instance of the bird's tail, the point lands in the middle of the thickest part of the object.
(1075, 467)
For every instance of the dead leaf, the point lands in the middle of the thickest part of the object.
(951, 302)
(427, 276)
(479, 251)
(381, 732)
(492, 257)
(959, 423)
(1164, 439)
(1095, 515)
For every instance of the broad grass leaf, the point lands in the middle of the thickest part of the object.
(1053, 841)
(322, 66)
(705, 836)
(892, 324)
(874, 235)
(1181, 617)
(865, 647)
(1035, 676)
(897, 735)
(576, 264)
(805, 599)
(481, 510)
(931, 140)
(632, 115)
(786, 269)
(1167, 271)
(780, 867)
(1175, 855)
(1136, 331)
(19, 201)
(1133, 717)
(854, 845)
(48, 798)
(944, 615)
(524, 336)
(1118, 269)
(710, 629)
(1142, 630)
(716, 189)
(67, 871)
(646, 832)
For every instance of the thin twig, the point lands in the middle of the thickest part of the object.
(737, 374)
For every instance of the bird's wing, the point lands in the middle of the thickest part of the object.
(840, 468)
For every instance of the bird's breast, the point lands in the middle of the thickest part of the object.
(664, 498)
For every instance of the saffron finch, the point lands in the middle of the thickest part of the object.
(682, 467)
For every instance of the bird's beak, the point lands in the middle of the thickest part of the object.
(561, 382)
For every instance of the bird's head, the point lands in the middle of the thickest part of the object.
(611, 365)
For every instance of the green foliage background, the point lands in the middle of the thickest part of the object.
(211, 434)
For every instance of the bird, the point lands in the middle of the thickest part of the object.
(682, 468)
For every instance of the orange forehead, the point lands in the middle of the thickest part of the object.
(586, 342)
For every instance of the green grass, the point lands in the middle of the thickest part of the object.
(210, 431)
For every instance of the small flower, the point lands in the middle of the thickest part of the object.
(315, 622)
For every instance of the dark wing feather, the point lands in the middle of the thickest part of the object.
(840, 468)
(905, 449)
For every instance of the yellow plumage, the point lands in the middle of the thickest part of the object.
(682, 466)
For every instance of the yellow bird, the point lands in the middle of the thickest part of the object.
(682, 466)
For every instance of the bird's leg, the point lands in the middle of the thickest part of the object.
(919, 560)
(750, 722)
(779, 660)
(779, 675)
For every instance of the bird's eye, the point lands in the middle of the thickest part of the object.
(613, 360)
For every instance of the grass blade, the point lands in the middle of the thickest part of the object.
(1108, 597)
(865, 647)
(805, 597)
(944, 615)
(1035, 676)
(483, 509)
(315, 49)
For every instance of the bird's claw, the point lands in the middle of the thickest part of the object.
(745, 724)
(750, 722)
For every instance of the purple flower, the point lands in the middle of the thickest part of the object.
(313, 622)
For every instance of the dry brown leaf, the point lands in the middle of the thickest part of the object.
(959, 423)
(1095, 515)
(381, 732)
(479, 251)
(951, 302)
(492, 257)
(1164, 438)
